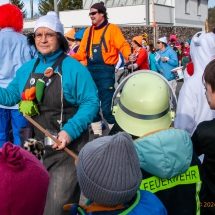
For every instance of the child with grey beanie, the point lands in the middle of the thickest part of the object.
(109, 175)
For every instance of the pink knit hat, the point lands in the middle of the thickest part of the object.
(23, 182)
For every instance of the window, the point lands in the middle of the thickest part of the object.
(198, 7)
(187, 6)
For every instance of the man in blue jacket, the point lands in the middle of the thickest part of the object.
(166, 60)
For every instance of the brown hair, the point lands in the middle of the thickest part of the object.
(209, 75)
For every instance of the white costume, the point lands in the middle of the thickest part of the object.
(193, 107)
(186, 75)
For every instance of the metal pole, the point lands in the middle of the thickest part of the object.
(147, 12)
(153, 11)
(31, 5)
(153, 21)
(56, 7)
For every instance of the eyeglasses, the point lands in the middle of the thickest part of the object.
(158, 42)
(48, 36)
(93, 13)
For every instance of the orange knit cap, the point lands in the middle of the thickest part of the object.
(70, 34)
(138, 39)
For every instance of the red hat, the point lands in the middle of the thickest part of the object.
(24, 182)
(177, 45)
(173, 37)
(11, 16)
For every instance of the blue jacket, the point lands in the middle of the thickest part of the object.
(166, 67)
(145, 203)
(15, 51)
(78, 88)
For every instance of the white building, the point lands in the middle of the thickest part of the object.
(186, 13)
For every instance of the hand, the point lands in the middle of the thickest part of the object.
(132, 58)
(116, 70)
(130, 66)
(163, 59)
(65, 140)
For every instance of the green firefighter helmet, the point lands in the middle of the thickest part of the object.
(144, 104)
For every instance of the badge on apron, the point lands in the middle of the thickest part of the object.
(95, 50)
(32, 81)
(48, 82)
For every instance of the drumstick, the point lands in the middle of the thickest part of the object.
(49, 135)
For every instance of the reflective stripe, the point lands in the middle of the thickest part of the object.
(141, 116)
(198, 188)
(191, 176)
(154, 184)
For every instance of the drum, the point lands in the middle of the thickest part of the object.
(178, 73)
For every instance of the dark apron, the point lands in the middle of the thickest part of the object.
(104, 78)
(63, 187)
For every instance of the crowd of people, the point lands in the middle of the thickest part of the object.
(68, 81)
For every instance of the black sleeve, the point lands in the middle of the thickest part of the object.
(196, 143)
(115, 129)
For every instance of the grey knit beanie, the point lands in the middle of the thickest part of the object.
(108, 170)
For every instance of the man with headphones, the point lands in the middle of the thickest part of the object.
(169, 167)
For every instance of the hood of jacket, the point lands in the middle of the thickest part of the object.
(165, 50)
(202, 50)
(166, 153)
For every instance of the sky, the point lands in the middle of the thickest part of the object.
(211, 3)
(27, 6)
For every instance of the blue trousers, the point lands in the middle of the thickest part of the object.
(10, 117)
(104, 78)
